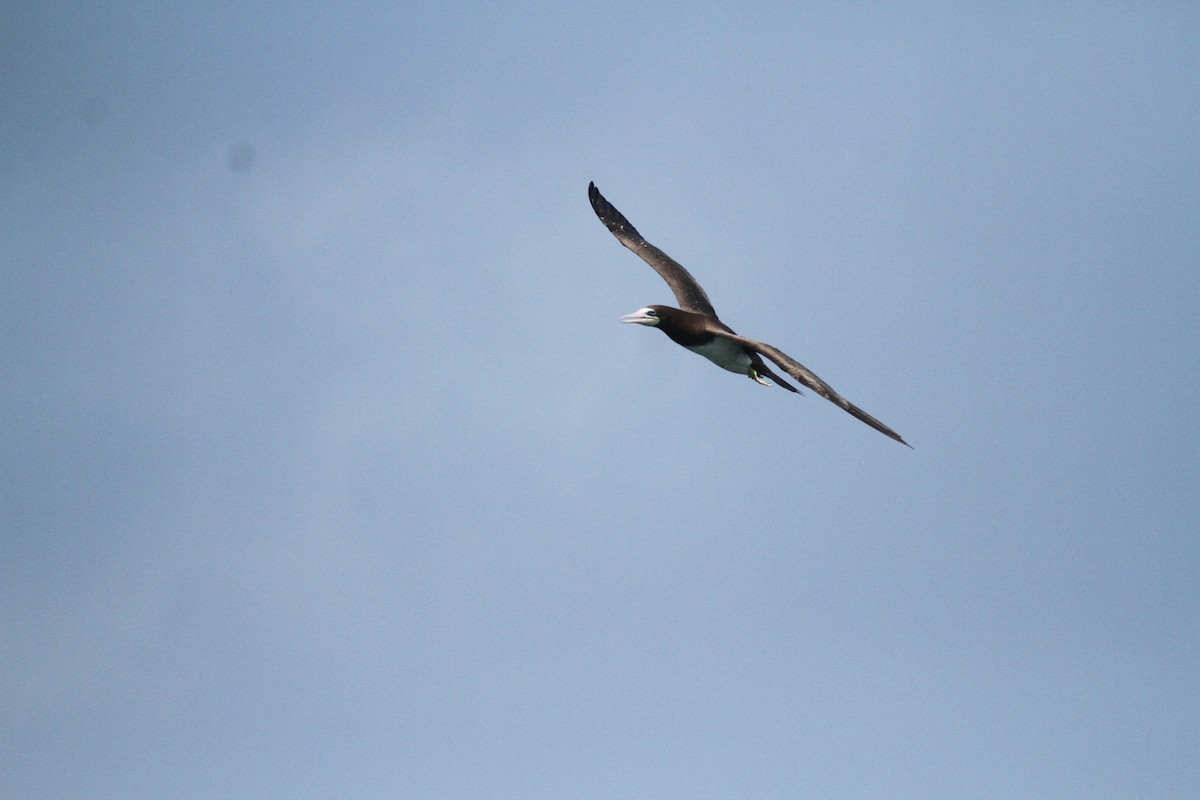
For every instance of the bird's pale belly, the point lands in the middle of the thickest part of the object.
(725, 354)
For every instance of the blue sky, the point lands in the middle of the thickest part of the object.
(329, 472)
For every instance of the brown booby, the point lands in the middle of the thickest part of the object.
(695, 324)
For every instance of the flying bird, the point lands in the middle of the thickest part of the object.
(695, 325)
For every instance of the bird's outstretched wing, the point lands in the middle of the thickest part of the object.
(807, 377)
(690, 295)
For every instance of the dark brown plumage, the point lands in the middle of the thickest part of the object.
(695, 324)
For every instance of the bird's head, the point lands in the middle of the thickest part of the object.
(644, 316)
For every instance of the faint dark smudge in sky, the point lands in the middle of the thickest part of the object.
(240, 157)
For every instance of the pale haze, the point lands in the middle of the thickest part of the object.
(328, 471)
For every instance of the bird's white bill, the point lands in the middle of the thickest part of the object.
(641, 318)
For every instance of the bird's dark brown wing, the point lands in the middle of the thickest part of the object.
(807, 377)
(690, 295)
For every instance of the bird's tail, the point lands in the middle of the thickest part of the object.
(759, 368)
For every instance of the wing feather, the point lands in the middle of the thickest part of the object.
(809, 378)
(687, 291)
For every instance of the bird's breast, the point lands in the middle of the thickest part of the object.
(724, 353)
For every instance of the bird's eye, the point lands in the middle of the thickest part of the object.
(652, 313)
